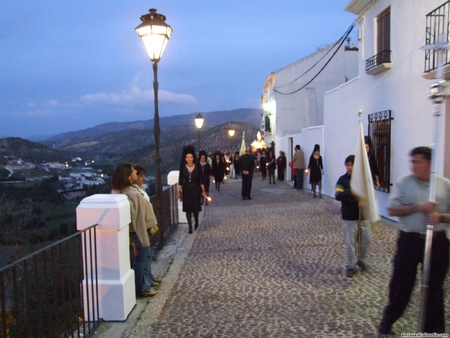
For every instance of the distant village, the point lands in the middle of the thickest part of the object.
(75, 176)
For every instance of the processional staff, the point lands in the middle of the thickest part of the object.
(438, 96)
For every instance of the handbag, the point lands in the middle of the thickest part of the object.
(153, 230)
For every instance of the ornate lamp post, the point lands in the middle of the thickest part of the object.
(154, 33)
(231, 132)
(199, 123)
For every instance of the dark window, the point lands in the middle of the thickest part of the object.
(384, 31)
(379, 131)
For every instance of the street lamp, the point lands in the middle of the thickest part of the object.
(154, 33)
(199, 123)
(231, 132)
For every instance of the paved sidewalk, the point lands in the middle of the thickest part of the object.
(268, 267)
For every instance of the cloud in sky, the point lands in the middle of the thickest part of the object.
(137, 97)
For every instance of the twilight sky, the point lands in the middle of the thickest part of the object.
(68, 65)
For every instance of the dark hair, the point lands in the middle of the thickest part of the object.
(316, 148)
(202, 153)
(424, 151)
(119, 180)
(350, 158)
(297, 147)
(187, 150)
(140, 169)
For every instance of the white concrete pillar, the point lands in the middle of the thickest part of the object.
(116, 288)
(172, 179)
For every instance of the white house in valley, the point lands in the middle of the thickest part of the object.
(391, 87)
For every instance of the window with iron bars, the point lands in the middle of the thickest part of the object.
(379, 130)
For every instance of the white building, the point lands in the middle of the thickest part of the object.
(391, 89)
(293, 97)
(391, 86)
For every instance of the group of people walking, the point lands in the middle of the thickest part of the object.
(408, 201)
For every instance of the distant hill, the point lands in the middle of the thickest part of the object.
(245, 115)
(111, 143)
(30, 151)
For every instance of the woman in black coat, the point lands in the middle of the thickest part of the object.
(281, 165)
(236, 164)
(190, 186)
(263, 163)
(206, 173)
(218, 169)
(271, 165)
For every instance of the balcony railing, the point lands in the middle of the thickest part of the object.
(437, 31)
(379, 62)
(42, 294)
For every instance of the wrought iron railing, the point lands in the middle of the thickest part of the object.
(378, 59)
(437, 31)
(42, 293)
(379, 130)
(168, 220)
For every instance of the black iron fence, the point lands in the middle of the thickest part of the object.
(437, 31)
(53, 291)
(168, 220)
(378, 59)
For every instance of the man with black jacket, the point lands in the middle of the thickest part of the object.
(246, 166)
(350, 216)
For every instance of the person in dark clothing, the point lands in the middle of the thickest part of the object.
(206, 173)
(350, 217)
(263, 163)
(372, 161)
(271, 166)
(315, 169)
(281, 165)
(190, 186)
(218, 169)
(246, 166)
(236, 164)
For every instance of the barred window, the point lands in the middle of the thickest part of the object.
(379, 130)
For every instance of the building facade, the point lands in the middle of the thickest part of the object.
(391, 89)
(292, 97)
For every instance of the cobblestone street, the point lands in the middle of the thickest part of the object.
(272, 267)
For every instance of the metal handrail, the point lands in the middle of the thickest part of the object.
(378, 59)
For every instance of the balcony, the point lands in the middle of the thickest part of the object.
(379, 63)
(437, 31)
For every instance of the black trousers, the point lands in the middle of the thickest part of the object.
(246, 185)
(410, 252)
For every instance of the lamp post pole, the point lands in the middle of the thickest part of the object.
(199, 123)
(154, 33)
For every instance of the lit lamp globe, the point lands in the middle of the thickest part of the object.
(231, 132)
(199, 121)
(154, 33)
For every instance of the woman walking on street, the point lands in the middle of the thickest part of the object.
(271, 165)
(315, 169)
(263, 164)
(218, 169)
(206, 173)
(190, 186)
(281, 165)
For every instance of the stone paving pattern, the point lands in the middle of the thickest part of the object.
(274, 267)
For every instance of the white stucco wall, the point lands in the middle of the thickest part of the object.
(402, 89)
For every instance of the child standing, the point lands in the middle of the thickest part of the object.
(350, 218)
